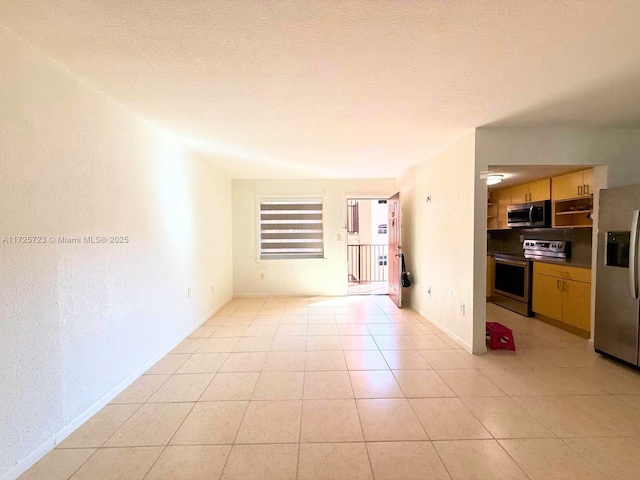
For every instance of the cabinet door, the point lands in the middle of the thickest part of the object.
(520, 194)
(547, 296)
(567, 186)
(504, 200)
(587, 182)
(540, 190)
(576, 304)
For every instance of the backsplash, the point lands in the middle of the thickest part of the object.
(508, 241)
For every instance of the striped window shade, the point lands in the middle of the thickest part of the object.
(291, 228)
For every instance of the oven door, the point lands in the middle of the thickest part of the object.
(512, 279)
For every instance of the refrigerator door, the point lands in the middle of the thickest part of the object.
(617, 311)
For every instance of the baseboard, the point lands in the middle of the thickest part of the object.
(26, 463)
(306, 295)
(564, 326)
(437, 324)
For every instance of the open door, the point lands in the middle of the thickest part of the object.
(395, 250)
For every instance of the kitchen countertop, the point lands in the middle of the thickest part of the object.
(571, 262)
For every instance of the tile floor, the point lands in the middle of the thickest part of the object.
(352, 388)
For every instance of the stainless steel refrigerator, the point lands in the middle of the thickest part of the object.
(617, 324)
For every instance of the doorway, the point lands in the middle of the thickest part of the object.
(367, 246)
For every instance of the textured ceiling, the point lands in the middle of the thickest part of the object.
(351, 89)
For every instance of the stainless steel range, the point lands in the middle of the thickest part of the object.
(513, 273)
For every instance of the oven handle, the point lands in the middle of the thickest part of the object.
(517, 263)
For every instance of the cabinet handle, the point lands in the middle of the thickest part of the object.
(585, 189)
(579, 190)
(557, 284)
(564, 286)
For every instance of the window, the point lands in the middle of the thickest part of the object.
(353, 217)
(291, 228)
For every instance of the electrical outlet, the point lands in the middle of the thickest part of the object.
(339, 237)
(462, 308)
(429, 290)
(262, 276)
(189, 291)
(521, 238)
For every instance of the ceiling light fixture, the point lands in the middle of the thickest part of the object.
(494, 179)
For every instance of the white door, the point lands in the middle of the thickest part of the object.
(395, 250)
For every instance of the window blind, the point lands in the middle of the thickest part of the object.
(291, 228)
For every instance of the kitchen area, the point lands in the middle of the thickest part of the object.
(539, 244)
(540, 249)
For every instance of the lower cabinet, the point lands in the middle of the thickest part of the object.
(562, 293)
(547, 296)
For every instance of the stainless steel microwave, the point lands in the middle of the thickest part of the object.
(533, 214)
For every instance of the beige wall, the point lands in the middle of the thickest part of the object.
(80, 321)
(436, 238)
(326, 276)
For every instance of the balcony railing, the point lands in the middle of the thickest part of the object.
(367, 263)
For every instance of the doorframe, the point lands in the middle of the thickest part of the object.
(356, 196)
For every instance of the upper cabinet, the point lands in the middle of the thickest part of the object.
(531, 192)
(573, 185)
(504, 200)
(540, 190)
(573, 199)
(519, 194)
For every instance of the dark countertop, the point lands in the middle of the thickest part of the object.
(571, 262)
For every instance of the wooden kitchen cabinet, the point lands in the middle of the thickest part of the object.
(576, 304)
(547, 296)
(504, 200)
(563, 293)
(572, 185)
(520, 194)
(573, 213)
(540, 190)
(531, 192)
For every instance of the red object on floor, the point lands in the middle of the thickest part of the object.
(500, 336)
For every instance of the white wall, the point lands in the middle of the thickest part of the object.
(78, 320)
(616, 150)
(326, 276)
(436, 238)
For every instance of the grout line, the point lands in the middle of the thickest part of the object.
(235, 438)
(301, 415)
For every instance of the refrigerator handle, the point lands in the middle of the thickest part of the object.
(633, 254)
